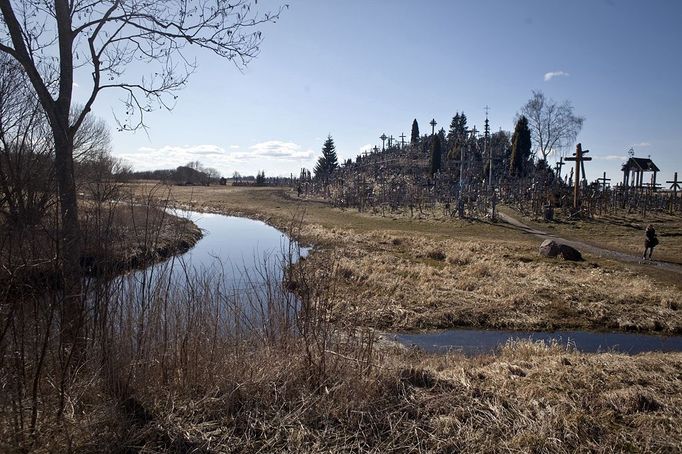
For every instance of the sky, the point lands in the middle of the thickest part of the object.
(355, 69)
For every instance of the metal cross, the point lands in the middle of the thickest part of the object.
(383, 140)
(603, 181)
(433, 124)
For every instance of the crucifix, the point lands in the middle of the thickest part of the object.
(579, 158)
(383, 140)
(674, 185)
(433, 126)
(603, 181)
(402, 140)
(558, 166)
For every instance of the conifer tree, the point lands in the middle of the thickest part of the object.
(452, 132)
(435, 154)
(414, 137)
(328, 162)
(521, 148)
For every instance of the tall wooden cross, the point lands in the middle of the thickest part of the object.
(402, 140)
(383, 140)
(390, 141)
(603, 180)
(433, 126)
(579, 157)
(674, 185)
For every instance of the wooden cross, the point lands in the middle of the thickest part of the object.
(559, 165)
(433, 126)
(390, 141)
(375, 149)
(402, 140)
(383, 140)
(579, 158)
(674, 185)
(603, 181)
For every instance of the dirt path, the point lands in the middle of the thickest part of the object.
(595, 250)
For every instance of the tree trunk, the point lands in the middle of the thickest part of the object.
(69, 244)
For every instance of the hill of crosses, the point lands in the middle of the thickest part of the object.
(464, 173)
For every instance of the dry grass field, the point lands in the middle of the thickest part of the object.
(178, 378)
(393, 272)
(529, 397)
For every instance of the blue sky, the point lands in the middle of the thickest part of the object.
(355, 69)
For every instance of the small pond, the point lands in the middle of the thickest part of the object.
(471, 341)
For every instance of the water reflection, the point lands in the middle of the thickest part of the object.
(470, 341)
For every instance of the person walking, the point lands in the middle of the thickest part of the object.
(650, 241)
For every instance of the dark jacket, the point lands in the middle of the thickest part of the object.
(650, 238)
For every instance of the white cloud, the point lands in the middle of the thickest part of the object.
(278, 149)
(275, 155)
(611, 157)
(552, 74)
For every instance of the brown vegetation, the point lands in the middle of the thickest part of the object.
(194, 366)
(394, 272)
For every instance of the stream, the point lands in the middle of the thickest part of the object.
(240, 249)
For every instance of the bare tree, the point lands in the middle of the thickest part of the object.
(26, 170)
(553, 126)
(50, 39)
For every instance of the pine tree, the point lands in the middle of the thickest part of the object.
(521, 148)
(414, 137)
(328, 162)
(435, 154)
(457, 134)
(452, 132)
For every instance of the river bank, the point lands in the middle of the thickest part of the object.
(118, 237)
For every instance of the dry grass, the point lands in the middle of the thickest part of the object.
(400, 273)
(169, 370)
(530, 397)
(393, 281)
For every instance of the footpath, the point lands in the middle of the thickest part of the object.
(585, 247)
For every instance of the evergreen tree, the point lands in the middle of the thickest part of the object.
(328, 162)
(457, 134)
(414, 137)
(452, 132)
(521, 148)
(435, 154)
(260, 178)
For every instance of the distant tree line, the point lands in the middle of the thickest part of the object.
(191, 174)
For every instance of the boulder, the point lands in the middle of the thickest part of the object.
(549, 248)
(570, 253)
